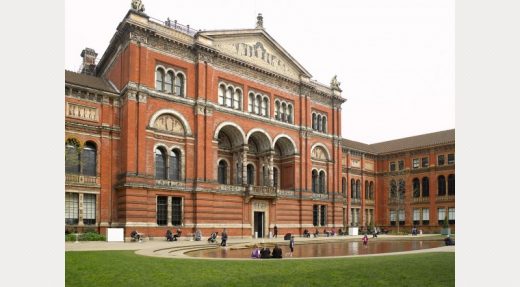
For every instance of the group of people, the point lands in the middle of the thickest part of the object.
(213, 238)
(173, 237)
(265, 252)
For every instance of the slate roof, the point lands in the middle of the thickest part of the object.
(88, 81)
(413, 142)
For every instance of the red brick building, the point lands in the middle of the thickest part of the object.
(175, 128)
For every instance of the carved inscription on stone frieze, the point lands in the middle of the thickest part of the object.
(82, 112)
(169, 123)
(319, 153)
(258, 53)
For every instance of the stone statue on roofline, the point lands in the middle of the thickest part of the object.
(259, 21)
(138, 5)
(334, 83)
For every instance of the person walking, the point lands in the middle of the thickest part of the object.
(291, 246)
(275, 235)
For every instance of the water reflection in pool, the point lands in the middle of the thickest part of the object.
(334, 248)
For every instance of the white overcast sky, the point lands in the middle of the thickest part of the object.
(394, 58)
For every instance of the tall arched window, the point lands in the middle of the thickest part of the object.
(358, 188)
(425, 187)
(277, 110)
(265, 106)
(352, 188)
(344, 187)
(251, 102)
(160, 164)
(275, 177)
(159, 79)
(179, 84)
(284, 112)
(250, 174)
(451, 184)
(416, 187)
(175, 165)
(258, 104)
(324, 124)
(323, 182)
(237, 100)
(168, 83)
(88, 159)
(402, 188)
(313, 121)
(229, 97)
(72, 163)
(366, 189)
(222, 172)
(289, 114)
(319, 123)
(315, 181)
(221, 94)
(371, 193)
(441, 185)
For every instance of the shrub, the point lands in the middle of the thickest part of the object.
(87, 236)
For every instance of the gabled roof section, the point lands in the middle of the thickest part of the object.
(88, 81)
(255, 46)
(359, 146)
(419, 141)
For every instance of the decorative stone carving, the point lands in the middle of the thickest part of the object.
(141, 98)
(138, 37)
(169, 123)
(334, 83)
(259, 21)
(355, 163)
(137, 5)
(82, 112)
(319, 153)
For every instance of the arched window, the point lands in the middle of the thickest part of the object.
(441, 185)
(402, 188)
(251, 103)
(72, 163)
(265, 105)
(275, 177)
(314, 181)
(159, 79)
(313, 121)
(179, 85)
(229, 97)
(393, 189)
(289, 114)
(416, 187)
(451, 184)
(250, 174)
(284, 112)
(160, 164)
(175, 165)
(277, 110)
(258, 104)
(366, 189)
(168, 83)
(358, 189)
(88, 159)
(222, 172)
(425, 187)
(324, 124)
(221, 94)
(323, 182)
(319, 123)
(237, 100)
(344, 187)
(371, 193)
(352, 188)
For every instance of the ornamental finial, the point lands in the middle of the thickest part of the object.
(259, 21)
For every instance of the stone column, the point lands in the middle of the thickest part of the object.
(270, 170)
(245, 149)
(169, 211)
(81, 209)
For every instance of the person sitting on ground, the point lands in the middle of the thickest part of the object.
(333, 232)
(448, 241)
(169, 235)
(256, 252)
(316, 233)
(265, 253)
(176, 236)
(198, 235)
(306, 233)
(277, 252)
(213, 237)
(135, 235)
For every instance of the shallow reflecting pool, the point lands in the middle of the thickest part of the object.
(333, 248)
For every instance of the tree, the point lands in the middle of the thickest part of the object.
(397, 191)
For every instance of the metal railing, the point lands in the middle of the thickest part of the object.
(186, 29)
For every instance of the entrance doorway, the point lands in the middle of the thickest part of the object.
(259, 218)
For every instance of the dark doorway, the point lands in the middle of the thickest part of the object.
(259, 223)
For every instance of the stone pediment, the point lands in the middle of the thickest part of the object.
(255, 47)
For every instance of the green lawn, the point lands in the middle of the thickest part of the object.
(124, 268)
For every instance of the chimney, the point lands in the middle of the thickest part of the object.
(89, 61)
